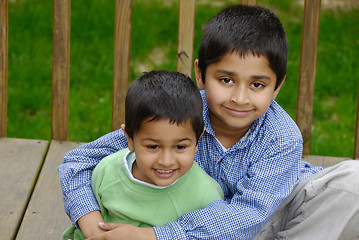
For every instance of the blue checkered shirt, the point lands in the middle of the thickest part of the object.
(256, 175)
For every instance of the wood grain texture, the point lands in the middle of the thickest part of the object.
(249, 2)
(323, 161)
(122, 55)
(185, 36)
(308, 61)
(21, 160)
(60, 69)
(45, 217)
(356, 134)
(4, 19)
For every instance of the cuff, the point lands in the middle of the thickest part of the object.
(79, 203)
(170, 231)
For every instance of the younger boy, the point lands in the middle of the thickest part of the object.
(251, 146)
(154, 180)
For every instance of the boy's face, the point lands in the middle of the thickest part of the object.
(238, 90)
(164, 151)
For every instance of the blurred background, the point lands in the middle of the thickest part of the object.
(154, 46)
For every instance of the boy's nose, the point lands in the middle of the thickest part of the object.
(240, 95)
(166, 159)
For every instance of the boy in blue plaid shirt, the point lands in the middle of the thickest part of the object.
(251, 147)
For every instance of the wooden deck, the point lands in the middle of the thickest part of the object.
(31, 205)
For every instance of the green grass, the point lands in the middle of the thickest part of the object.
(154, 45)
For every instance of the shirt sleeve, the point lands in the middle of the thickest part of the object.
(267, 182)
(76, 170)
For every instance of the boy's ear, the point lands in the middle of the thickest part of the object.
(198, 74)
(204, 129)
(275, 94)
(129, 140)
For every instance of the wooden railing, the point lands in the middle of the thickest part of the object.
(122, 46)
(4, 16)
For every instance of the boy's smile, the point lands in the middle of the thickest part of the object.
(238, 90)
(164, 151)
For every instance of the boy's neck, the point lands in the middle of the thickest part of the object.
(136, 173)
(225, 135)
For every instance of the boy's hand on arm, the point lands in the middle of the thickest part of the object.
(89, 224)
(116, 231)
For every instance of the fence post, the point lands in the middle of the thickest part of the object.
(121, 63)
(186, 17)
(4, 16)
(249, 2)
(308, 61)
(60, 69)
(356, 137)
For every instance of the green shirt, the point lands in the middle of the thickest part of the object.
(125, 199)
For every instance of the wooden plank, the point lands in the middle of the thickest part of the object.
(4, 17)
(60, 69)
(323, 161)
(356, 136)
(185, 36)
(121, 63)
(308, 62)
(21, 161)
(249, 2)
(45, 217)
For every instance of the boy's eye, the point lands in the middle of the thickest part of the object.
(226, 80)
(257, 85)
(180, 147)
(152, 147)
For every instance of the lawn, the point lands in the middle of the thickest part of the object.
(154, 44)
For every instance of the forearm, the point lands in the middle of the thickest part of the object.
(256, 197)
(80, 202)
(89, 224)
(76, 169)
(218, 221)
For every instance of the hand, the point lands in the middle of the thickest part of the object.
(119, 231)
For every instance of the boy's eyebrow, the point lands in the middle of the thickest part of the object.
(157, 140)
(231, 73)
(184, 139)
(149, 139)
(261, 77)
(226, 72)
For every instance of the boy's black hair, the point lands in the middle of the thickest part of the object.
(163, 95)
(245, 29)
